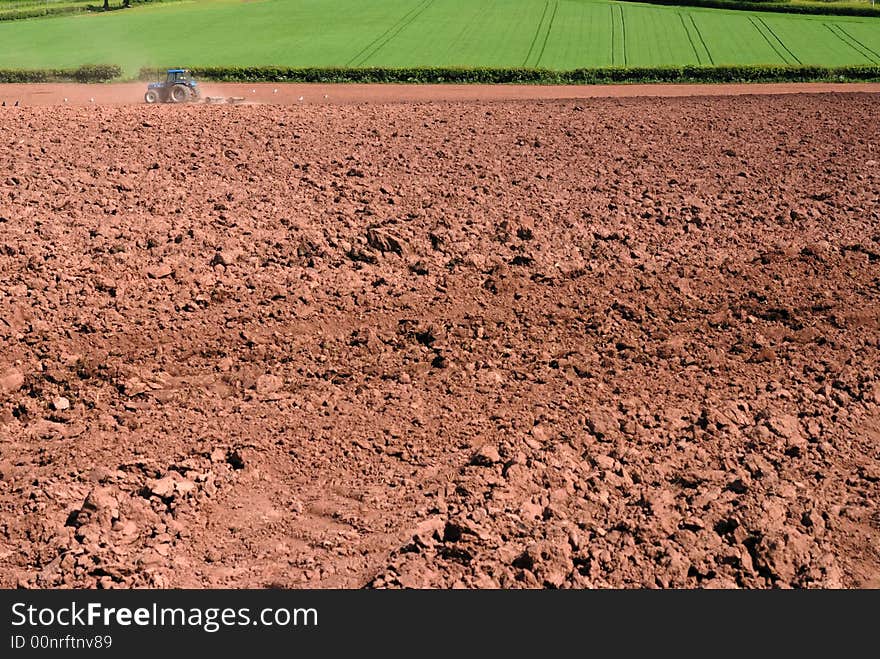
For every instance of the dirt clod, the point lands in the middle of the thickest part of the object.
(11, 380)
(562, 345)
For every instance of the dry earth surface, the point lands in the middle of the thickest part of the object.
(132, 93)
(593, 343)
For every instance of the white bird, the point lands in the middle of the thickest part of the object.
(253, 91)
(65, 100)
(325, 95)
(274, 91)
(91, 100)
(300, 99)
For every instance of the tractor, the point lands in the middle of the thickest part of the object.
(178, 87)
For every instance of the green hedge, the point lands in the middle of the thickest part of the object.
(670, 74)
(680, 74)
(86, 73)
(37, 12)
(9, 13)
(770, 5)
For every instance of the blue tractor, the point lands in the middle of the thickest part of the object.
(179, 86)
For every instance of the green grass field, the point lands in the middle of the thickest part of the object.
(553, 34)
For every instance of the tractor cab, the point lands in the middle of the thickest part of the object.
(182, 76)
(179, 86)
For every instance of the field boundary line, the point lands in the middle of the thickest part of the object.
(868, 48)
(702, 41)
(364, 53)
(769, 42)
(547, 34)
(611, 9)
(781, 42)
(537, 33)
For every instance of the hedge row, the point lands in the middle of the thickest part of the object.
(78, 8)
(86, 73)
(771, 5)
(680, 74)
(37, 12)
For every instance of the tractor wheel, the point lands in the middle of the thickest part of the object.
(179, 94)
(151, 96)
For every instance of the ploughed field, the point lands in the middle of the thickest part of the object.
(604, 342)
(548, 34)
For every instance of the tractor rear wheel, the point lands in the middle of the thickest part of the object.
(179, 94)
(151, 96)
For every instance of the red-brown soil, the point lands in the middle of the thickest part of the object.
(607, 342)
(132, 93)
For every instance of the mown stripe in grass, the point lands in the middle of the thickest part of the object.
(690, 39)
(401, 28)
(842, 38)
(474, 25)
(768, 40)
(537, 33)
(613, 58)
(868, 48)
(781, 42)
(702, 41)
(365, 53)
(855, 44)
(547, 34)
(321, 33)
